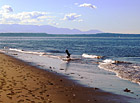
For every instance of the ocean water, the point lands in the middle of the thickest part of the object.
(93, 57)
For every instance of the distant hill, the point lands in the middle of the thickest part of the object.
(16, 28)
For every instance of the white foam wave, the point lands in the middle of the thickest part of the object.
(23, 51)
(123, 70)
(18, 50)
(91, 56)
(32, 52)
(108, 61)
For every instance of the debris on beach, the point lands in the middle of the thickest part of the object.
(127, 90)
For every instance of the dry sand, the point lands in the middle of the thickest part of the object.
(23, 83)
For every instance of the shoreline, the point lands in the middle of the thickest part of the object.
(21, 82)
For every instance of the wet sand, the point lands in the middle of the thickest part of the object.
(23, 83)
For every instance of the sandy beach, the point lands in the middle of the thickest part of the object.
(23, 83)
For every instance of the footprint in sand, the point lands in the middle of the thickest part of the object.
(21, 101)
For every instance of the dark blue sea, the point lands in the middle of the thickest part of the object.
(124, 46)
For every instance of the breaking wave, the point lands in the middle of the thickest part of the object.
(91, 56)
(124, 70)
(29, 52)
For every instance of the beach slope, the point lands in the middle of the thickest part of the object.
(23, 83)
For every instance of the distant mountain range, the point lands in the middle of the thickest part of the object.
(16, 28)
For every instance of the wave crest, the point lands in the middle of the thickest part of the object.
(124, 70)
(91, 56)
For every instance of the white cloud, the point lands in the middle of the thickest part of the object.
(7, 9)
(71, 16)
(7, 16)
(31, 15)
(24, 17)
(88, 5)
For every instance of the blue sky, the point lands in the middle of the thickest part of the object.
(117, 16)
